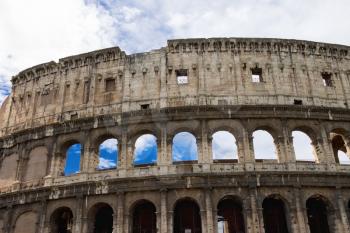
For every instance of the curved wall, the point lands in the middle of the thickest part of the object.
(86, 99)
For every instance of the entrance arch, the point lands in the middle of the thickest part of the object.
(274, 215)
(187, 217)
(229, 216)
(101, 218)
(144, 219)
(317, 215)
(62, 220)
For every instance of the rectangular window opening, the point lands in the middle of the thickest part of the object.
(298, 102)
(327, 79)
(144, 106)
(257, 75)
(110, 85)
(182, 76)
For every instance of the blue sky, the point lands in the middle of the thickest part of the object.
(38, 31)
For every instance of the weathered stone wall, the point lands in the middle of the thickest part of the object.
(104, 94)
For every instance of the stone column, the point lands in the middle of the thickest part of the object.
(200, 149)
(209, 210)
(254, 211)
(206, 157)
(123, 153)
(118, 223)
(127, 228)
(85, 158)
(42, 216)
(163, 211)
(163, 154)
(301, 212)
(77, 228)
(261, 219)
(248, 147)
(8, 219)
(326, 146)
(342, 212)
(240, 149)
(170, 221)
(280, 149)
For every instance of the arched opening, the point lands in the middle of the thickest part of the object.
(317, 215)
(62, 220)
(224, 146)
(145, 150)
(229, 216)
(8, 170)
(26, 222)
(187, 217)
(184, 147)
(108, 154)
(339, 149)
(303, 148)
(37, 164)
(144, 218)
(274, 215)
(73, 157)
(264, 146)
(101, 217)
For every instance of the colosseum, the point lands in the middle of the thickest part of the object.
(197, 88)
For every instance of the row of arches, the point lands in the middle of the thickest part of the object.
(231, 217)
(223, 146)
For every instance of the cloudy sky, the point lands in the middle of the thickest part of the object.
(38, 31)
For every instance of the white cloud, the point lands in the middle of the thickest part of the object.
(38, 31)
(264, 147)
(106, 163)
(224, 145)
(184, 147)
(144, 143)
(110, 145)
(343, 158)
(302, 146)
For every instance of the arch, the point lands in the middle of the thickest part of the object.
(224, 145)
(303, 147)
(8, 170)
(61, 220)
(274, 215)
(100, 218)
(317, 214)
(37, 164)
(146, 149)
(230, 218)
(73, 159)
(108, 152)
(187, 216)
(340, 150)
(144, 217)
(184, 147)
(26, 222)
(264, 146)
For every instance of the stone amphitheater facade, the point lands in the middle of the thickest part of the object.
(200, 86)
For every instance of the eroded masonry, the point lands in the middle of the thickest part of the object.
(196, 87)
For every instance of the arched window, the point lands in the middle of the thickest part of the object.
(317, 215)
(264, 146)
(108, 154)
(37, 164)
(274, 216)
(230, 217)
(101, 218)
(62, 220)
(73, 156)
(184, 147)
(26, 222)
(187, 217)
(224, 145)
(8, 169)
(144, 218)
(145, 150)
(339, 149)
(303, 148)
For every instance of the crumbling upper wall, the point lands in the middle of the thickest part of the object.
(218, 70)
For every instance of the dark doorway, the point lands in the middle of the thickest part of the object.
(230, 217)
(103, 219)
(274, 216)
(144, 218)
(317, 215)
(187, 217)
(62, 221)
